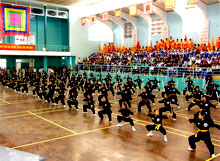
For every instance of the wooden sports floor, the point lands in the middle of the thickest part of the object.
(31, 125)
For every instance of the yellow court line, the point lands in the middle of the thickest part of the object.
(8, 117)
(1, 114)
(5, 101)
(44, 141)
(213, 158)
(58, 138)
(53, 123)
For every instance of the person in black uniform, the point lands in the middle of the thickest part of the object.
(172, 94)
(145, 100)
(72, 100)
(155, 84)
(125, 97)
(171, 82)
(110, 87)
(50, 94)
(25, 86)
(90, 104)
(167, 90)
(131, 85)
(214, 94)
(106, 109)
(43, 92)
(104, 93)
(125, 112)
(89, 88)
(139, 81)
(167, 106)
(204, 123)
(37, 87)
(118, 82)
(189, 93)
(61, 97)
(157, 120)
(197, 95)
(189, 84)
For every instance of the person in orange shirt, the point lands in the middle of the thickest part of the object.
(181, 44)
(162, 45)
(185, 45)
(167, 44)
(171, 41)
(105, 49)
(157, 46)
(190, 47)
(177, 44)
(218, 43)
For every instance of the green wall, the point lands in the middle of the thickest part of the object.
(54, 61)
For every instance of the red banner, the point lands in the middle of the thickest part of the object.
(17, 47)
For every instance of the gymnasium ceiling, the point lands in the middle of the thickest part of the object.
(158, 3)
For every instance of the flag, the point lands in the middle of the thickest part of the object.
(148, 8)
(105, 16)
(189, 2)
(209, 45)
(14, 20)
(93, 19)
(169, 4)
(118, 14)
(133, 10)
(83, 21)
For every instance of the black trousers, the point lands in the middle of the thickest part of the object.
(153, 127)
(142, 103)
(195, 102)
(124, 100)
(60, 98)
(35, 91)
(164, 109)
(174, 98)
(42, 95)
(49, 97)
(204, 136)
(85, 107)
(71, 102)
(109, 113)
(100, 98)
(188, 97)
(25, 89)
(122, 118)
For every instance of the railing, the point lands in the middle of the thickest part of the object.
(63, 48)
(196, 72)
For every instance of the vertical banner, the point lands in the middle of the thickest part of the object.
(134, 36)
(165, 32)
(148, 8)
(118, 14)
(83, 21)
(169, 4)
(133, 10)
(204, 34)
(189, 2)
(14, 20)
(93, 19)
(105, 16)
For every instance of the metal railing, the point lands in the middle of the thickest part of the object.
(196, 72)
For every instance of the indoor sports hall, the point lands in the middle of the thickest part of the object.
(109, 80)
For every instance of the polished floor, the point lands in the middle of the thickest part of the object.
(53, 132)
